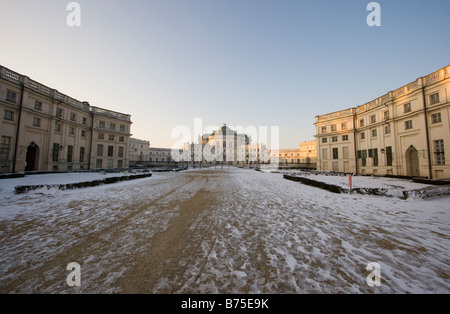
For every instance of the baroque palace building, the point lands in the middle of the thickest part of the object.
(405, 132)
(42, 129)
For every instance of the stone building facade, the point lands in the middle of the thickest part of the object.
(305, 154)
(405, 132)
(139, 150)
(42, 129)
(160, 155)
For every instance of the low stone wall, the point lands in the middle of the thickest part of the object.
(428, 192)
(432, 191)
(317, 184)
(70, 186)
(335, 188)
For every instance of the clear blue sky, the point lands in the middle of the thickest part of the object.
(240, 62)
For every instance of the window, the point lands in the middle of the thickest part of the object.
(38, 105)
(434, 99)
(121, 139)
(375, 156)
(71, 130)
(333, 128)
(9, 115)
(436, 118)
(121, 150)
(364, 157)
(111, 137)
(334, 139)
(122, 128)
(59, 112)
(335, 153)
(109, 164)
(110, 151)
(69, 153)
(439, 152)
(100, 150)
(99, 163)
(84, 120)
(5, 148)
(359, 154)
(11, 96)
(324, 129)
(373, 119)
(101, 124)
(361, 122)
(408, 125)
(407, 108)
(81, 155)
(120, 164)
(36, 122)
(344, 126)
(73, 117)
(374, 133)
(58, 127)
(112, 126)
(387, 129)
(363, 135)
(344, 137)
(386, 115)
(101, 136)
(324, 140)
(389, 156)
(55, 152)
(83, 133)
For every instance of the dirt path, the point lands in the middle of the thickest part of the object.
(182, 239)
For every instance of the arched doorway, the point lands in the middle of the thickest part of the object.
(32, 157)
(412, 161)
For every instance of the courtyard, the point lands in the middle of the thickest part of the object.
(221, 231)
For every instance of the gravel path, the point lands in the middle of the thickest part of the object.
(221, 231)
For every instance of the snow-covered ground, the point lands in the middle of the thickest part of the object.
(221, 231)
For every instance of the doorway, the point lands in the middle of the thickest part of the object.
(412, 161)
(32, 158)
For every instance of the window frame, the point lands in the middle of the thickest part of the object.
(436, 118)
(408, 125)
(8, 115)
(407, 108)
(36, 122)
(9, 98)
(434, 98)
(38, 105)
(439, 151)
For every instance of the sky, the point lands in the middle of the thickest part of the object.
(240, 62)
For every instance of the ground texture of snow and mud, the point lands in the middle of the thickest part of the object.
(220, 231)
